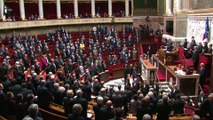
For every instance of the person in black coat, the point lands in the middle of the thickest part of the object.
(2, 99)
(117, 99)
(68, 102)
(144, 108)
(25, 91)
(99, 109)
(80, 100)
(178, 105)
(145, 88)
(202, 73)
(163, 109)
(76, 115)
(10, 106)
(34, 112)
(109, 112)
(206, 108)
(87, 91)
(201, 97)
(185, 44)
(15, 88)
(44, 96)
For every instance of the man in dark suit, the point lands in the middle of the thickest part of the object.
(156, 88)
(109, 113)
(202, 73)
(205, 47)
(68, 102)
(87, 91)
(99, 109)
(15, 88)
(44, 96)
(201, 98)
(2, 99)
(174, 91)
(192, 44)
(77, 111)
(25, 91)
(163, 109)
(206, 108)
(145, 88)
(80, 100)
(178, 105)
(117, 99)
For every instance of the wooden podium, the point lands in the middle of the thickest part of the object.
(168, 58)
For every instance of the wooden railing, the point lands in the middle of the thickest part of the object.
(51, 116)
(58, 22)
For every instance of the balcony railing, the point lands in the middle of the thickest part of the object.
(59, 22)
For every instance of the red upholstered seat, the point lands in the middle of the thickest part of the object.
(160, 76)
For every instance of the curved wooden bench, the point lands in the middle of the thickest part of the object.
(57, 109)
(51, 116)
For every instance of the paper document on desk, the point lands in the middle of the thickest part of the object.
(89, 115)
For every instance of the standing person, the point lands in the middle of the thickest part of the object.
(206, 108)
(163, 109)
(80, 100)
(202, 73)
(99, 109)
(76, 115)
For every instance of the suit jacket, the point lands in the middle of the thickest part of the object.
(117, 100)
(163, 110)
(68, 104)
(44, 97)
(2, 102)
(145, 89)
(87, 92)
(84, 105)
(75, 117)
(207, 108)
(178, 106)
(99, 111)
(202, 73)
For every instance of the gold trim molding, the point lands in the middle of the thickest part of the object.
(59, 22)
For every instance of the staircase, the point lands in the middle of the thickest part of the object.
(164, 86)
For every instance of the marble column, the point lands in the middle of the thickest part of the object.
(168, 7)
(58, 8)
(185, 5)
(76, 8)
(2, 16)
(177, 6)
(40, 9)
(93, 8)
(126, 8)
(22, 9)
(110, 8)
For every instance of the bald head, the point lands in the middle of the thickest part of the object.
(196, 117)
(79, 93)
(100, 100)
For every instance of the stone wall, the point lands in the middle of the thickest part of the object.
(200, 4)
(155, 22)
